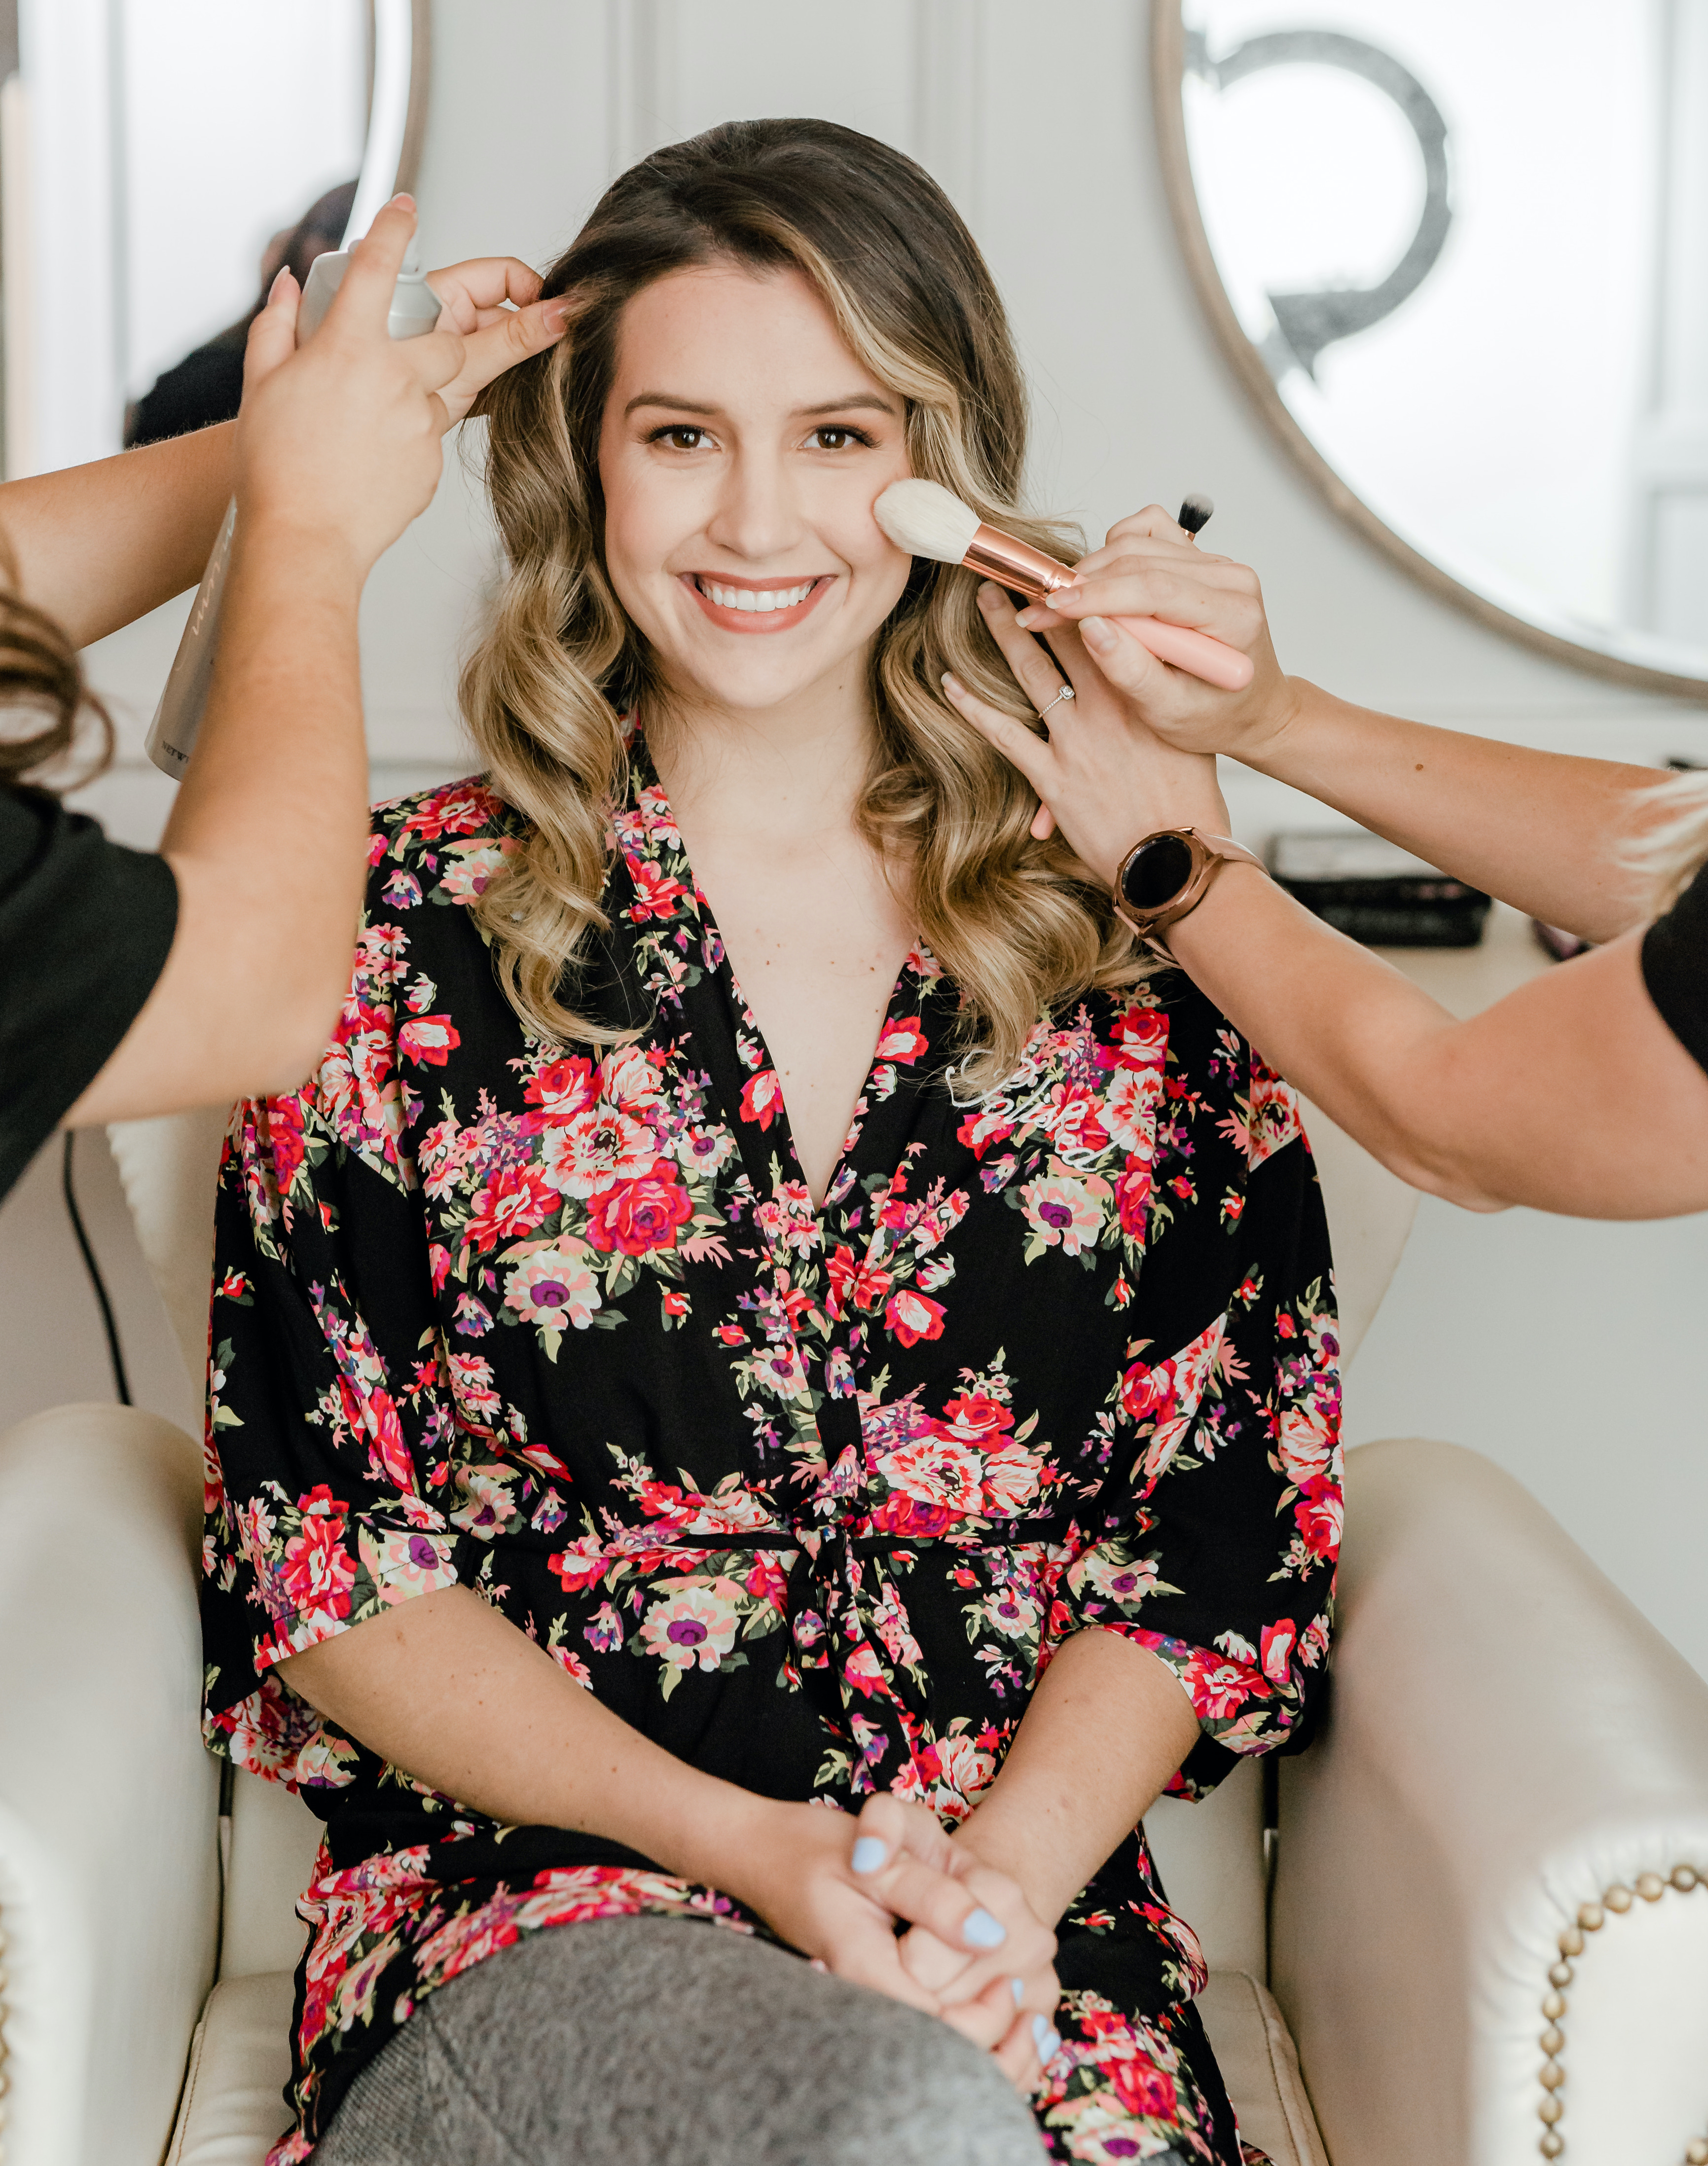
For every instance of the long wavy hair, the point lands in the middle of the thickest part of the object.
(1019, 925)
(43, 697)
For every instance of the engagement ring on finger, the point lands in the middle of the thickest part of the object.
(1066, 692)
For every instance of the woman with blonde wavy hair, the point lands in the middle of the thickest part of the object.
(779, 1383)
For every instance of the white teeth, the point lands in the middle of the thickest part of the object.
(751, 600)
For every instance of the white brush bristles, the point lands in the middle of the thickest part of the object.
(926, 520)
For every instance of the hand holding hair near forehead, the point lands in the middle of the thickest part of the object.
(337, 448)
(1570, 1095)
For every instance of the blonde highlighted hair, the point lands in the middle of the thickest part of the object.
(1673, 845)
(1019, 924)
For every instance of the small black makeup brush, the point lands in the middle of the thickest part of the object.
(1195, 511)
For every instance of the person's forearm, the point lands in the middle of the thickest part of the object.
(268, 841)
(445, 1686)
(1541, 830)
(1107, 1726)
(99, 546)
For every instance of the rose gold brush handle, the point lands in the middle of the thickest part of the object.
(999, 556)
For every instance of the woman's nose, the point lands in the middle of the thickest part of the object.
(757, 514)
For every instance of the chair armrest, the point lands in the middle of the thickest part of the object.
(1508, 1740)
(108, 1860)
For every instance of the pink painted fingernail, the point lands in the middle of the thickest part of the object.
(1098, 633)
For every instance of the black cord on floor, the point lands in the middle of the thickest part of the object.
(121, 1382)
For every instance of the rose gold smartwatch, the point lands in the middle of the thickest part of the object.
(1168, 874)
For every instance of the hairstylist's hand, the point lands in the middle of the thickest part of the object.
(338, 445)
(1150, 566)
(472, 296)
(1101, 775)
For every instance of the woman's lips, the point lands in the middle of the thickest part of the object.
(732, 617)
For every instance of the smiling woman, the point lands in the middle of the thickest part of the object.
(815, 1327)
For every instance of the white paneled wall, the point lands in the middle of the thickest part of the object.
(1038, 123)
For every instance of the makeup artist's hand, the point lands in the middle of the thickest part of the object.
(1150, 566)
(1101, 775)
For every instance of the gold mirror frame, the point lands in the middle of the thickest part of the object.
(1168, 74)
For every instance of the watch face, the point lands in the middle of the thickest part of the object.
(1161, 869)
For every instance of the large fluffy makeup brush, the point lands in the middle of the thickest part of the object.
(928, 520)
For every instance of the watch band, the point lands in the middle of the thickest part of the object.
(1149, 922)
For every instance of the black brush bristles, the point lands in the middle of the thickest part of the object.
(1195, 511)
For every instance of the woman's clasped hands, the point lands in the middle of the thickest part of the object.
(889, 1901)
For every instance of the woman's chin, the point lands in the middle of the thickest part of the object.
(754, 682)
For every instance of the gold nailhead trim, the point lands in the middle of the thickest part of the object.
(1591, 1918)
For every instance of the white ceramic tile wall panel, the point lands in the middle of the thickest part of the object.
(694, 66)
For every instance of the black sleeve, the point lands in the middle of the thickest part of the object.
(85, 928)
(1675, 967)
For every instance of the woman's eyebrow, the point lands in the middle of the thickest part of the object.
(870, 401)
(667, 398)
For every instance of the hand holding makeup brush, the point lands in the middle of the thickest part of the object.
(1149, 563)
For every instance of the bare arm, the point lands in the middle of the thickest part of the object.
(339, 448)
(1541, 830)
(1571, 1094)
(1106, 1728)
(99, 546)
(446, 1687)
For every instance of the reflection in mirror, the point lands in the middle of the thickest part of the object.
(157, 159)
(1462, 254)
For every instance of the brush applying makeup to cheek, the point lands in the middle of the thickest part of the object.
(928, 520)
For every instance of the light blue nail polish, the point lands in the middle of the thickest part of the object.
(869, 1854)
(982, 1931)
(1050, 2048)
(1040, 2032)
(1016, 1986)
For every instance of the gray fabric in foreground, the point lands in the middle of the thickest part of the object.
(662, 2042)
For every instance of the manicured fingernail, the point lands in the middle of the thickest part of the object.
(279, 276)
(1031, 617)
(1098, 633)
(953, 685)
(1049, 2045)
(555, 316)
(982, 1931)
(990, 593)
(870, 1855)
(1016, 1986)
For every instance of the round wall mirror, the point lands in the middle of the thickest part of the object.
(1460, 256)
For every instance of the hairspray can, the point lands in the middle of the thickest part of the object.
(415, 308)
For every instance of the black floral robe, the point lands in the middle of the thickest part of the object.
(808, 1497)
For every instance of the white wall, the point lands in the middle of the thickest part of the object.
(1039, 125)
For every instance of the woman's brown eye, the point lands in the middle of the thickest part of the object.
(832, 439)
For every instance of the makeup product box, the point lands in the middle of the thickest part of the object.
(1375, 892)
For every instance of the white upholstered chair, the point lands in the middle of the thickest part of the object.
(1478, 1919)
